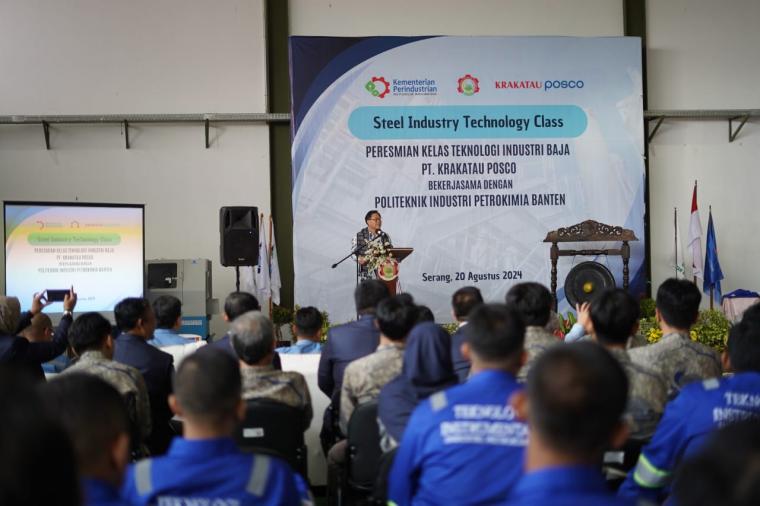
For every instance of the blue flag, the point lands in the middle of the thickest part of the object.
(712, 272)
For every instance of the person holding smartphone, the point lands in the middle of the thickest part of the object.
(16, 350)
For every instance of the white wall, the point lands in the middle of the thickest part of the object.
(703, 55)
(142, 56)
(453, 17)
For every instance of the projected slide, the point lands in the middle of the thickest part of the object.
(96, 248)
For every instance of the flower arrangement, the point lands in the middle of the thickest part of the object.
(376, 253)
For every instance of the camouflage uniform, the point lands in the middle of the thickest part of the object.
(647, 395)
(537, 341)
(365, 377)
(287, 387)
(679, 360)
(124, 378)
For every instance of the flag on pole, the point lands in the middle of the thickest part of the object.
(677, 257)
(247, 279)
(263, 289)
(274, 268)
(713, 274)
(695, 237)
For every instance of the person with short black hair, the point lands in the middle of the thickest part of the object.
(136, 320)
(364, 377)
(345, 343)
(38, 465)
(464, 445)
(675, 356)
(205, 464)
(573, 402)
(252, 336)
(700, 408)
(308, 329)
(614, 319)
(534, 302)
(93, 414)
(236, 304)
(92, 343)
(463, 301)
(366, 236)
(725, 471)
(168, 310)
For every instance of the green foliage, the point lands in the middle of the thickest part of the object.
(565, 324)
(281, 315)
(712, 329)
(646, 308)
(450, 327)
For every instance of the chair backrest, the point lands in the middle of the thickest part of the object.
(274, 427)
(363, 446)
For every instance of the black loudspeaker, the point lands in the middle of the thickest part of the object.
(239, 236)
(586, 281)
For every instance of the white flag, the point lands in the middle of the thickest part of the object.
(263, 290)
(695, 237)
(274, 270)
(677, 255)
(247, 279)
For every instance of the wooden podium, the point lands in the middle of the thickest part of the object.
(397, 255)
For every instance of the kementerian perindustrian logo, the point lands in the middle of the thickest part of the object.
(380, 87)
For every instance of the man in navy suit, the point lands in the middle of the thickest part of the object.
(462, 302)
(235, 304)
(136, 321)
(346, 343)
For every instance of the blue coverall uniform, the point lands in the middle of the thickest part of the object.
(461, 446)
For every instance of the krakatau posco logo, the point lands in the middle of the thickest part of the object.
(549, 84)
(468, 85)
(379, 87)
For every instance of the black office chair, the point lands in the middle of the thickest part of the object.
(274, 428)
(362, 456)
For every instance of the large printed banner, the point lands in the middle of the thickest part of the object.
(471, 148)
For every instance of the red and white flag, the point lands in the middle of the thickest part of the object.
(695, 237)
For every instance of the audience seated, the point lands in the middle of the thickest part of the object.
(364, 377)
(252, 337)
(96, 421)
(18, 351)
(205, 466)
(574, 401)
(236, 304)
(136, 320)
(679, 359)
(614, 318)
(345, 343)
(462, 302)
(168, 310)
(534, 302)
(464, 445)
(700, 408)
(725, 471)
(90, 338)
(37, 463)
(308, 326)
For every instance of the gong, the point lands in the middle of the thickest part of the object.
(587, 280)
